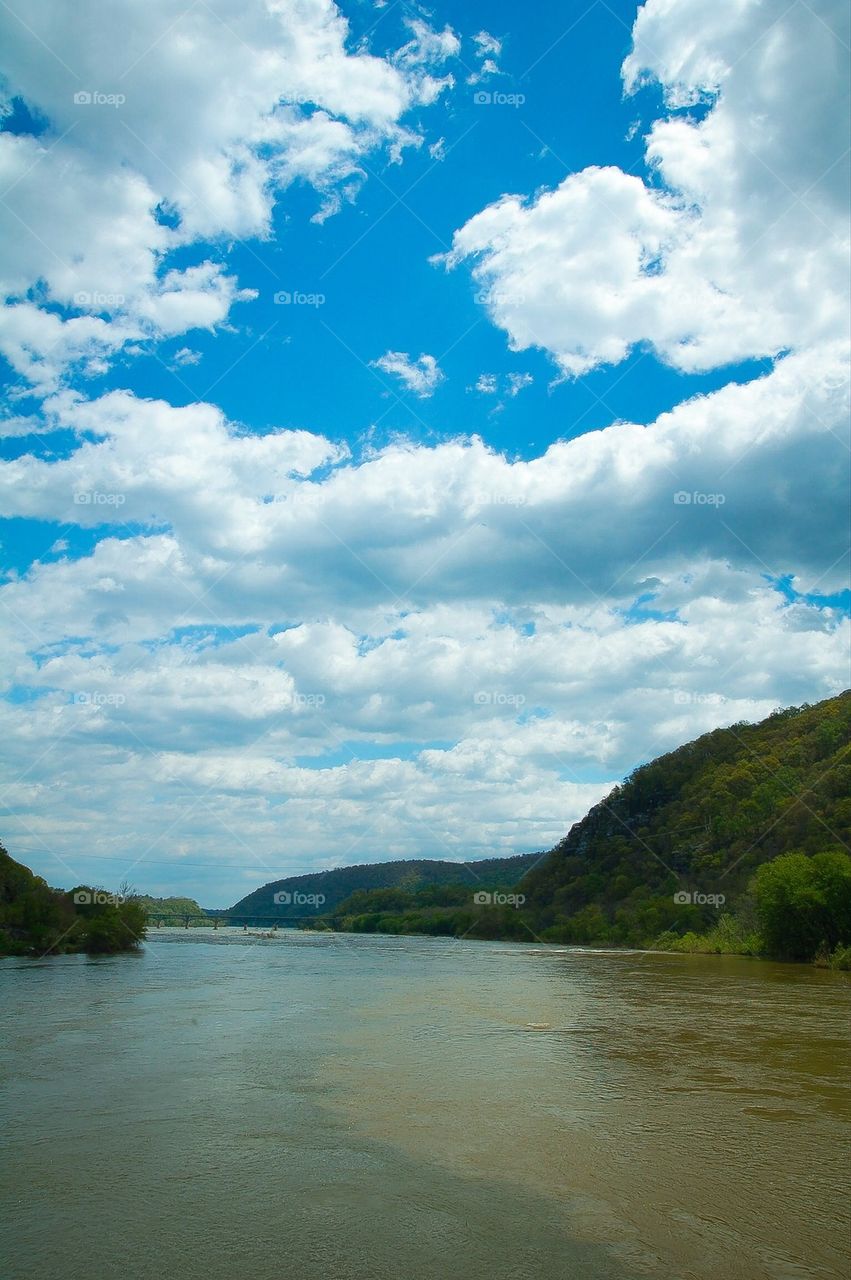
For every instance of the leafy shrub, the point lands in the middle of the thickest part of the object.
(804, 904)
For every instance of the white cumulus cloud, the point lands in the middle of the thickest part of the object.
(168, 130)
(422, 376)
(738, 248)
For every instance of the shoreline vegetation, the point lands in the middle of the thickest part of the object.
(733, 844)
(36, 920)
(796, 911)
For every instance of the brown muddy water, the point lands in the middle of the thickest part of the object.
(316, 1105)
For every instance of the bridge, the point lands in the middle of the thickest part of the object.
(158, 919)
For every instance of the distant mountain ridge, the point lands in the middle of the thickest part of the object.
(335, 885)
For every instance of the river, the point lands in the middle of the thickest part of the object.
(357, 1106)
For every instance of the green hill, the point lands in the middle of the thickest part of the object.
(37, 920)
(669, 857)
(326, 889)
(176, 908)
(699, 821)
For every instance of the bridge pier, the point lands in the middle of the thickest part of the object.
(272, 924)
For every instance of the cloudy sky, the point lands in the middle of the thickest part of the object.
(414, 419)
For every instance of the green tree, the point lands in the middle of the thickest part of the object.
(803, 904)
(118, 927)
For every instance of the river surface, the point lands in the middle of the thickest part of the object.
(318, 1105)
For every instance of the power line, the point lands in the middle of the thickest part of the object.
(155, 862)
(247, 866)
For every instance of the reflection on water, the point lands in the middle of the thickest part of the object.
(315, 1105)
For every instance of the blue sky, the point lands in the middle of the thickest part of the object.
(540, 469)
(312, 361)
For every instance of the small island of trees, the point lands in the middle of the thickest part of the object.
(38, 920)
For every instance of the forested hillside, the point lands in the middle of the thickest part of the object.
(700, 820)
(334, 886)
(736, 841)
